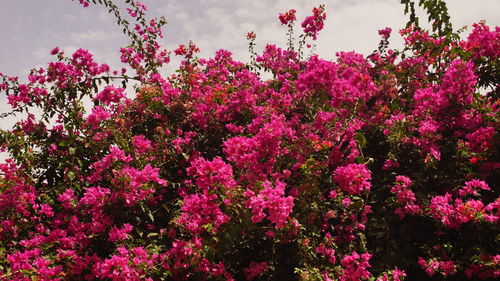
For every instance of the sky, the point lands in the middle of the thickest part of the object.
(31, 28)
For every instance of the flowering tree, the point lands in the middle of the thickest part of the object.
(382, 167)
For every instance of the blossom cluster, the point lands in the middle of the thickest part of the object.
(380, 167)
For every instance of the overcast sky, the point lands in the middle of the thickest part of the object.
(31, 28)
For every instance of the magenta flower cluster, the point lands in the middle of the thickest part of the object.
(379, 167)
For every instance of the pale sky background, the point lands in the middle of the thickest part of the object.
(31, 28)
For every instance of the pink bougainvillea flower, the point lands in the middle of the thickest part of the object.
(353, 178)
(312, 25)
(288, 17)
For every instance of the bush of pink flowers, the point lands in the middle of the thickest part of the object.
(379, 167)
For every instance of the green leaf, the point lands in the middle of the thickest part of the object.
(152, 234)
(151, 217)
(360, 138)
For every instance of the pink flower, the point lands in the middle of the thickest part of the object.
(355, 267)
(141, 144)
(181, 50)
(353, 178)
(110, 94)
(132, 185)
(386, 32)
(95, 196)
(271, 199)
(213, 174)
(483, 42)
(328, 253)
(67, 195)
(255, 269)
(124, 265)
(251, 35)
(314, 24)
(98, 115)
(405, 196)
(46, 209)
(119, 234)
(471, 187)
(84, 3)
(429, 267)
(396, 273)
(201, 213)
(390, 164)
(441, 209)
(54, 51)
(287, 17)
(346, 202)
(447, 268)
(428, 127)
(481, 140)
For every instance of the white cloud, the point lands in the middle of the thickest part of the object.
(92, 36)
(41, 53)
(70, 17)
